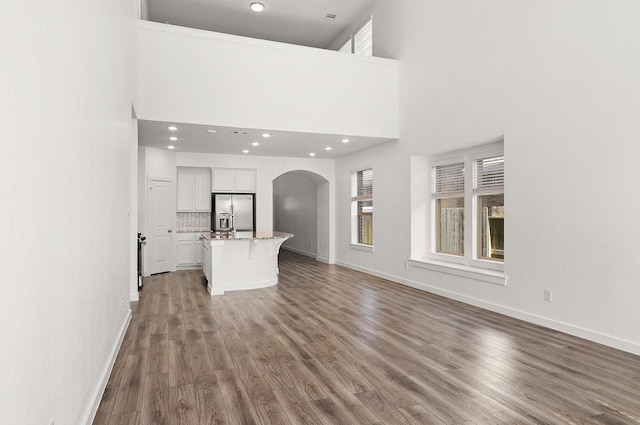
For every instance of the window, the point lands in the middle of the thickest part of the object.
(488, 191)
(467, 209)
(363, 40)
(362, 207)
(360, 43)
(448, 195)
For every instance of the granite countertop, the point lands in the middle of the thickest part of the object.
(240, 236)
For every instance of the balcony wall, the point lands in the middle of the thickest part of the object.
(202, 77)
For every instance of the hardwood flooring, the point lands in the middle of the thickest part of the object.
(329, 345)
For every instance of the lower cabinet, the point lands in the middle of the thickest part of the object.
(189, 251)
(206, 259)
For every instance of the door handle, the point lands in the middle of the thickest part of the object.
(169, 230)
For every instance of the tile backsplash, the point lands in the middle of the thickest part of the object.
(193, 221)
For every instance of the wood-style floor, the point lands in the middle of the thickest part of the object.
(329, 345)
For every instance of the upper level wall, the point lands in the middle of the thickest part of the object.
(202, 77)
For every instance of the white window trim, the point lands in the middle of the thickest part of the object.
(361, 247)
(431, 251)
(476, 273)
(365, 31)
(468, 265)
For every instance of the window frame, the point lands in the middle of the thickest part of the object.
(479, 261)
(355, 216)
(471, 222)
(363, 39)
(433, 226)
(354, 42)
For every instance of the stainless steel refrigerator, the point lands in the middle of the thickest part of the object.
(233, 212)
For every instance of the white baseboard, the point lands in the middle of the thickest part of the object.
(299, 251)
(189, 267)
(134, 296)
(92, 409)
(325, 260)
(567, 328)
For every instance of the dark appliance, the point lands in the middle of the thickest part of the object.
(142, 241)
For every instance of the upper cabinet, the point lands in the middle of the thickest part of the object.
(234, 180)
(194, 190)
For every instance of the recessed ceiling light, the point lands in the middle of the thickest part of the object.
(312, 154)
(257, 7)
(173, 138)
(266, 135)
(328, 148)
(172, 128)
(255, 144)
(345, 140)
(245, 151)
(171, 147)
(212, 131)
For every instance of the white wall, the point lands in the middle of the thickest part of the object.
(557, 79)
(268, 169)
(67, 87)
(325, 216)
(201, 77)
(295, 210)
(133, 208)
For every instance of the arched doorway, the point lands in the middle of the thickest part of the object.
(301, 207)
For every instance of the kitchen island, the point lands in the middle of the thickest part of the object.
(241, 260)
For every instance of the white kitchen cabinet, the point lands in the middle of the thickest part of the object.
(202, 191)
(189, 250)
(224, 180)
(206, 259)
(245, 181)
(234, 180)
(197, 250)
(194, 190)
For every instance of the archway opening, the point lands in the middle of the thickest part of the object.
(301, 207)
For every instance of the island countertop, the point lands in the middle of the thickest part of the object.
(234, 261)
(244, 236)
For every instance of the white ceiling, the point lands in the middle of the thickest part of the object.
(289, 21)
(227, 140)
(299, 22)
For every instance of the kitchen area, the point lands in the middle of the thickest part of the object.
(216, 230)
(175, 206)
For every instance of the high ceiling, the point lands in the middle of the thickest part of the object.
(299, 22)
(290, 21)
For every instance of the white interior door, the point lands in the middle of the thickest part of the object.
(161, 233)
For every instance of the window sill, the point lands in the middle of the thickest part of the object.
(362, 247)
(476, 273)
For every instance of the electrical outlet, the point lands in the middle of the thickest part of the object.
(121, 303)
(547, 295)
(406, 264)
